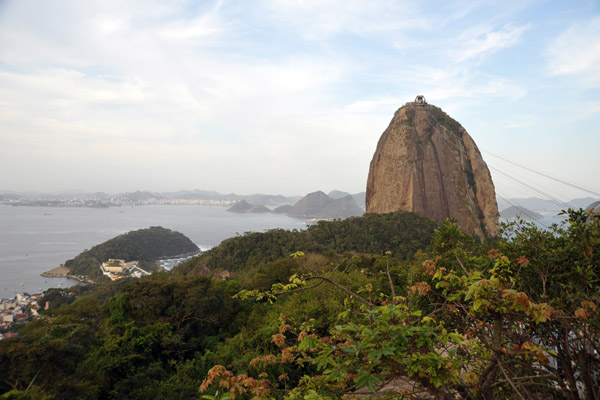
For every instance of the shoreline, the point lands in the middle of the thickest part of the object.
(184, 255)
(63, 272)
(205, 225)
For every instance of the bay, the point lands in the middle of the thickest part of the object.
(36, 239)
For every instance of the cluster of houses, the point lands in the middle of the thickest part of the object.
(20, 308)
(117, 269)
(23, 307)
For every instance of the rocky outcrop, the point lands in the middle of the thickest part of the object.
(243, 207)
(282, 209)
(358, 197)
(338, 194)
(319, 205)
(426, 162)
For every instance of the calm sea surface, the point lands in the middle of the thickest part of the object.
(36, 239)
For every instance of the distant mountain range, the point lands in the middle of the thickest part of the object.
(257, 199)
(185, 196)
(360, 198)
(268, 200)
(515, 212)
(319, 205)
(316, 205)
(543, 205)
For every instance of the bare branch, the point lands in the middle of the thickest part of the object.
(461, 264)
(387, 270)
(511, 383)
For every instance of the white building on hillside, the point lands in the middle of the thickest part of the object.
(117, 269)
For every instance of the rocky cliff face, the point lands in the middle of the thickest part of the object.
(426, 162)
(319, 205)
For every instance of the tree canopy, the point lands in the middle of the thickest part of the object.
(144, 245)
(402, 233)
(452, 318)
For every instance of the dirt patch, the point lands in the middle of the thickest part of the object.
(58, 271)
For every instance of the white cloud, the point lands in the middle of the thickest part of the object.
(373, 105)
(521, 121)
(577, 52)
(110, 25)
(209, 23)
(317, 19)
(221, 92)
(481, 42)
(200, 27)
(459, 83)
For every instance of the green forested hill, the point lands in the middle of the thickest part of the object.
(402, 233)
(144, 245)
(428, 316)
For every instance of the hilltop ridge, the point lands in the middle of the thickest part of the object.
(143, 245)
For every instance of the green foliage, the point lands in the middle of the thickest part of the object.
(516, 318)
(125, 347)
(446, 121)
(58, 297)
(474, 327)
(144, 245)
(33, 393)
(402, 233)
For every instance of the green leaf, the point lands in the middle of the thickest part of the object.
(375, 355)
(456, 337)
(477, 304)
(361, 380)
(313, 395)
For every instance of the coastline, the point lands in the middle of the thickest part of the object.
(63, 272)
(36, 243)
(184, 255)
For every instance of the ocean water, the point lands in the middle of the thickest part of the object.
(36, 239)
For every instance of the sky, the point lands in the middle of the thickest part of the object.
(289, 96)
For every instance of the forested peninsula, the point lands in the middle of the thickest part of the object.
(381, 305)
(143, 245)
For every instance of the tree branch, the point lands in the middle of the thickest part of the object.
(342, 288)
(511, 383)
(387, 270)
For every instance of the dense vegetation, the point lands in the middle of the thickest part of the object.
(401, 232)
(144, 245)
(516, 318)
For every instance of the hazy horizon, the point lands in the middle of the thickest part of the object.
(286, 97)
(75, 191)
